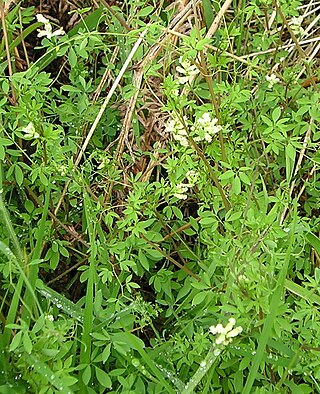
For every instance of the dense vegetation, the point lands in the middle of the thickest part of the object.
(159, 197)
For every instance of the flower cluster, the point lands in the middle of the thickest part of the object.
(192, 176)
(187, 71)
(105, 161)
(224, 335)
(295, 25)
(47, 28)
(205, 128)
(30, 131)
(181, 190)
(178, 131)
(272, 79)
(61, 169)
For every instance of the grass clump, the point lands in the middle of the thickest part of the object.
(159, 198)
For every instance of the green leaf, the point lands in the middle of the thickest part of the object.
(230, 217)
(5, 142)
(244, 178)
(15, 341)
(276, 113)
(27, 344)
(303, 292)
(18, 174)
(208, 12)
(226, 175)
(266, 120)
(43, 179)
(72, 58)
(106, 353)
(145, 11)
(54, 260)
(291, 152)
(199, 298)
(2, 152)
(177, 212)
(63, 251)
(236, 185)
(61, 302)
(103, 378)
(143, 260)
(47, 374)
(154, 254)
(86, 375)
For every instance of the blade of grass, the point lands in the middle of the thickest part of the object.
(5, 218)
(85, 351)
(47, 373)
(11, 316)
(61, 302)
(274, 307)
(148, 361)
(208, 12)
(203, 369)
(302, 292)
(17, 293)
(314, 241)
(33, 268)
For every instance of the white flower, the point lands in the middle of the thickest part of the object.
(49, 317)
(30, 131)
(235, 332)
(225, 333)
(216, 352)
(295, 25)
(104, 163)
(47, 32)
(181, 189)
(230, 325)
(187, 70)
(42, 19)
(192, 177)
(272, 79)
(218, 329)
(205, 128)
(61, 169)
(178, 130)
(206, 118)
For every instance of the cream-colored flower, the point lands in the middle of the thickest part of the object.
(187, 71)
(178, 130)
(227, 333)
(181, 190)
(47, 28)
(295, 25)
(30, 131)
(216, 352)
(205, 128)
(42, 19)
(272, 79)
(192, 177)
(235, 332)
(104, 163)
